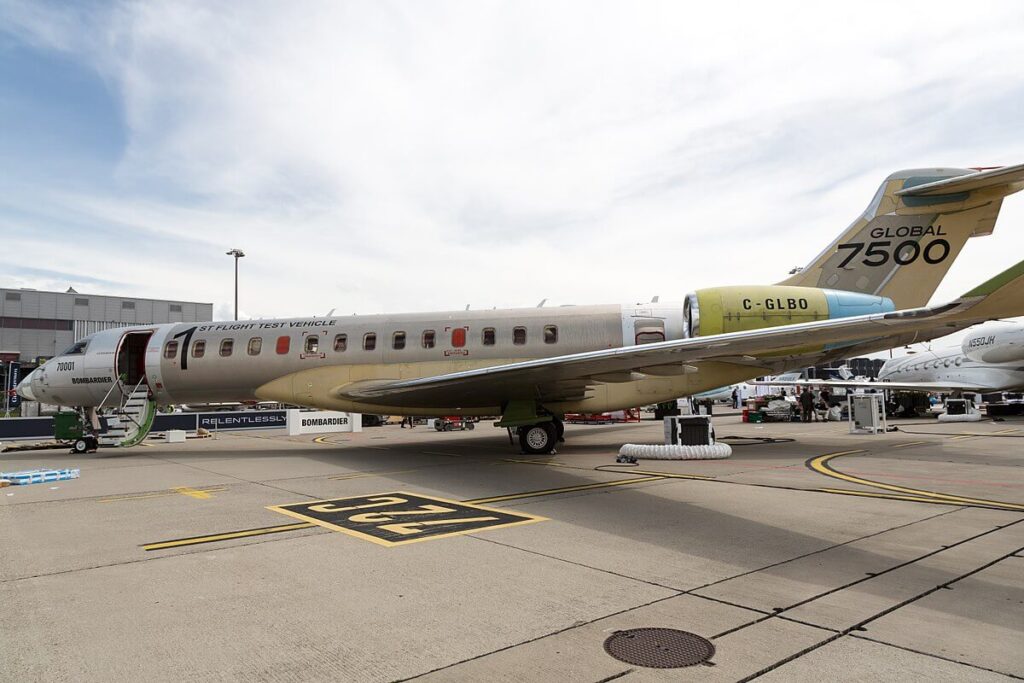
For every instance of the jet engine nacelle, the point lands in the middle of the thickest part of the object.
(995, 344)
(737, 309)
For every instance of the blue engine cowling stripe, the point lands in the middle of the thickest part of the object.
(846, 304)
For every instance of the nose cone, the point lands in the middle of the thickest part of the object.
(24, 387)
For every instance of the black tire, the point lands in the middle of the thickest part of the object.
(448, 426)
(470, 425)
(560, 430)
(439, 426)
(539, 439)
(81, 446)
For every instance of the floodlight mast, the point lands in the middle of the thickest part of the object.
(237, 253)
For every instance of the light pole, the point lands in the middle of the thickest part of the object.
(237, 253)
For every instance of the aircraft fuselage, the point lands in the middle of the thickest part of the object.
(300, 360)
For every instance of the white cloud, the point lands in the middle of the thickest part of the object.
(383, 157)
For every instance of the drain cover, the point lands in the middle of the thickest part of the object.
(659, 648)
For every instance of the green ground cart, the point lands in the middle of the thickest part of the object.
(70, 427)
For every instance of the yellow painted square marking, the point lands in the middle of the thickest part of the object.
(399, 517)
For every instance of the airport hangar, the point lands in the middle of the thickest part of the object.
(36, 325)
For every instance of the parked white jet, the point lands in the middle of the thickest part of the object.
(989, 360)
(533, 365)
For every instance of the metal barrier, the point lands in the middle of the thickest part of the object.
(40, 428)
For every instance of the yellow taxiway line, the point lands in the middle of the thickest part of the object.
(195, 540)
(183, 490)
(889, 496)
(821, 465)
(564, 489)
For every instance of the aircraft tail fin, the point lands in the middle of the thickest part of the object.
(905, 241)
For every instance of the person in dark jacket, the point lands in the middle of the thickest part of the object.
(806, 404)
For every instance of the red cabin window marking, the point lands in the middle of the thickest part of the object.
(459, 337)
(283, 344)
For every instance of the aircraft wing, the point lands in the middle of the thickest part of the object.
(937, 387)
(567, 377)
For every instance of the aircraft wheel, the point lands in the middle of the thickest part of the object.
(538, 439)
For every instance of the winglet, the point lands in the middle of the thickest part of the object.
(993, 285)
(1001, 296)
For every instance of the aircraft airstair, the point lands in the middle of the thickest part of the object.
(131, 420)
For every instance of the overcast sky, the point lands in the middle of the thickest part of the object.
(381, 157)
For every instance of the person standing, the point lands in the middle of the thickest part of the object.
(806, 404)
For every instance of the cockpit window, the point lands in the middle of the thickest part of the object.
(77, 349)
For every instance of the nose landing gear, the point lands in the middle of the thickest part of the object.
(87, 444)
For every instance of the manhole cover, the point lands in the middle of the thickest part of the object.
(659, 648)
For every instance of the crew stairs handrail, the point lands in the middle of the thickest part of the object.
(127, 397)
(113, 386)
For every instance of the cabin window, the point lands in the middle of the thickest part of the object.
(283, 344)
(369, 341)
(312, 343)
(551, 334)
(255, 346)
(945, 363)
(459, 337)
(227, 346)
(171, 350)
(199, 348)
(488, 336)
(959, 361)
(398, 341)
(429, 339)
(519, 335)
(340, 342)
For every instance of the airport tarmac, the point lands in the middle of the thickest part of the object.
(828, 557)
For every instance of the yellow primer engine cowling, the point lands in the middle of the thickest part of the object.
(736, 309)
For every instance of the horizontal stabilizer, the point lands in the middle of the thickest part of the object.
(996, 177)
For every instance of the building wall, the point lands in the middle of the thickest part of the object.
(36, 323)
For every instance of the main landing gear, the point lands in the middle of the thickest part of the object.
(539, 430)
(538, 439)
(542, 438)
